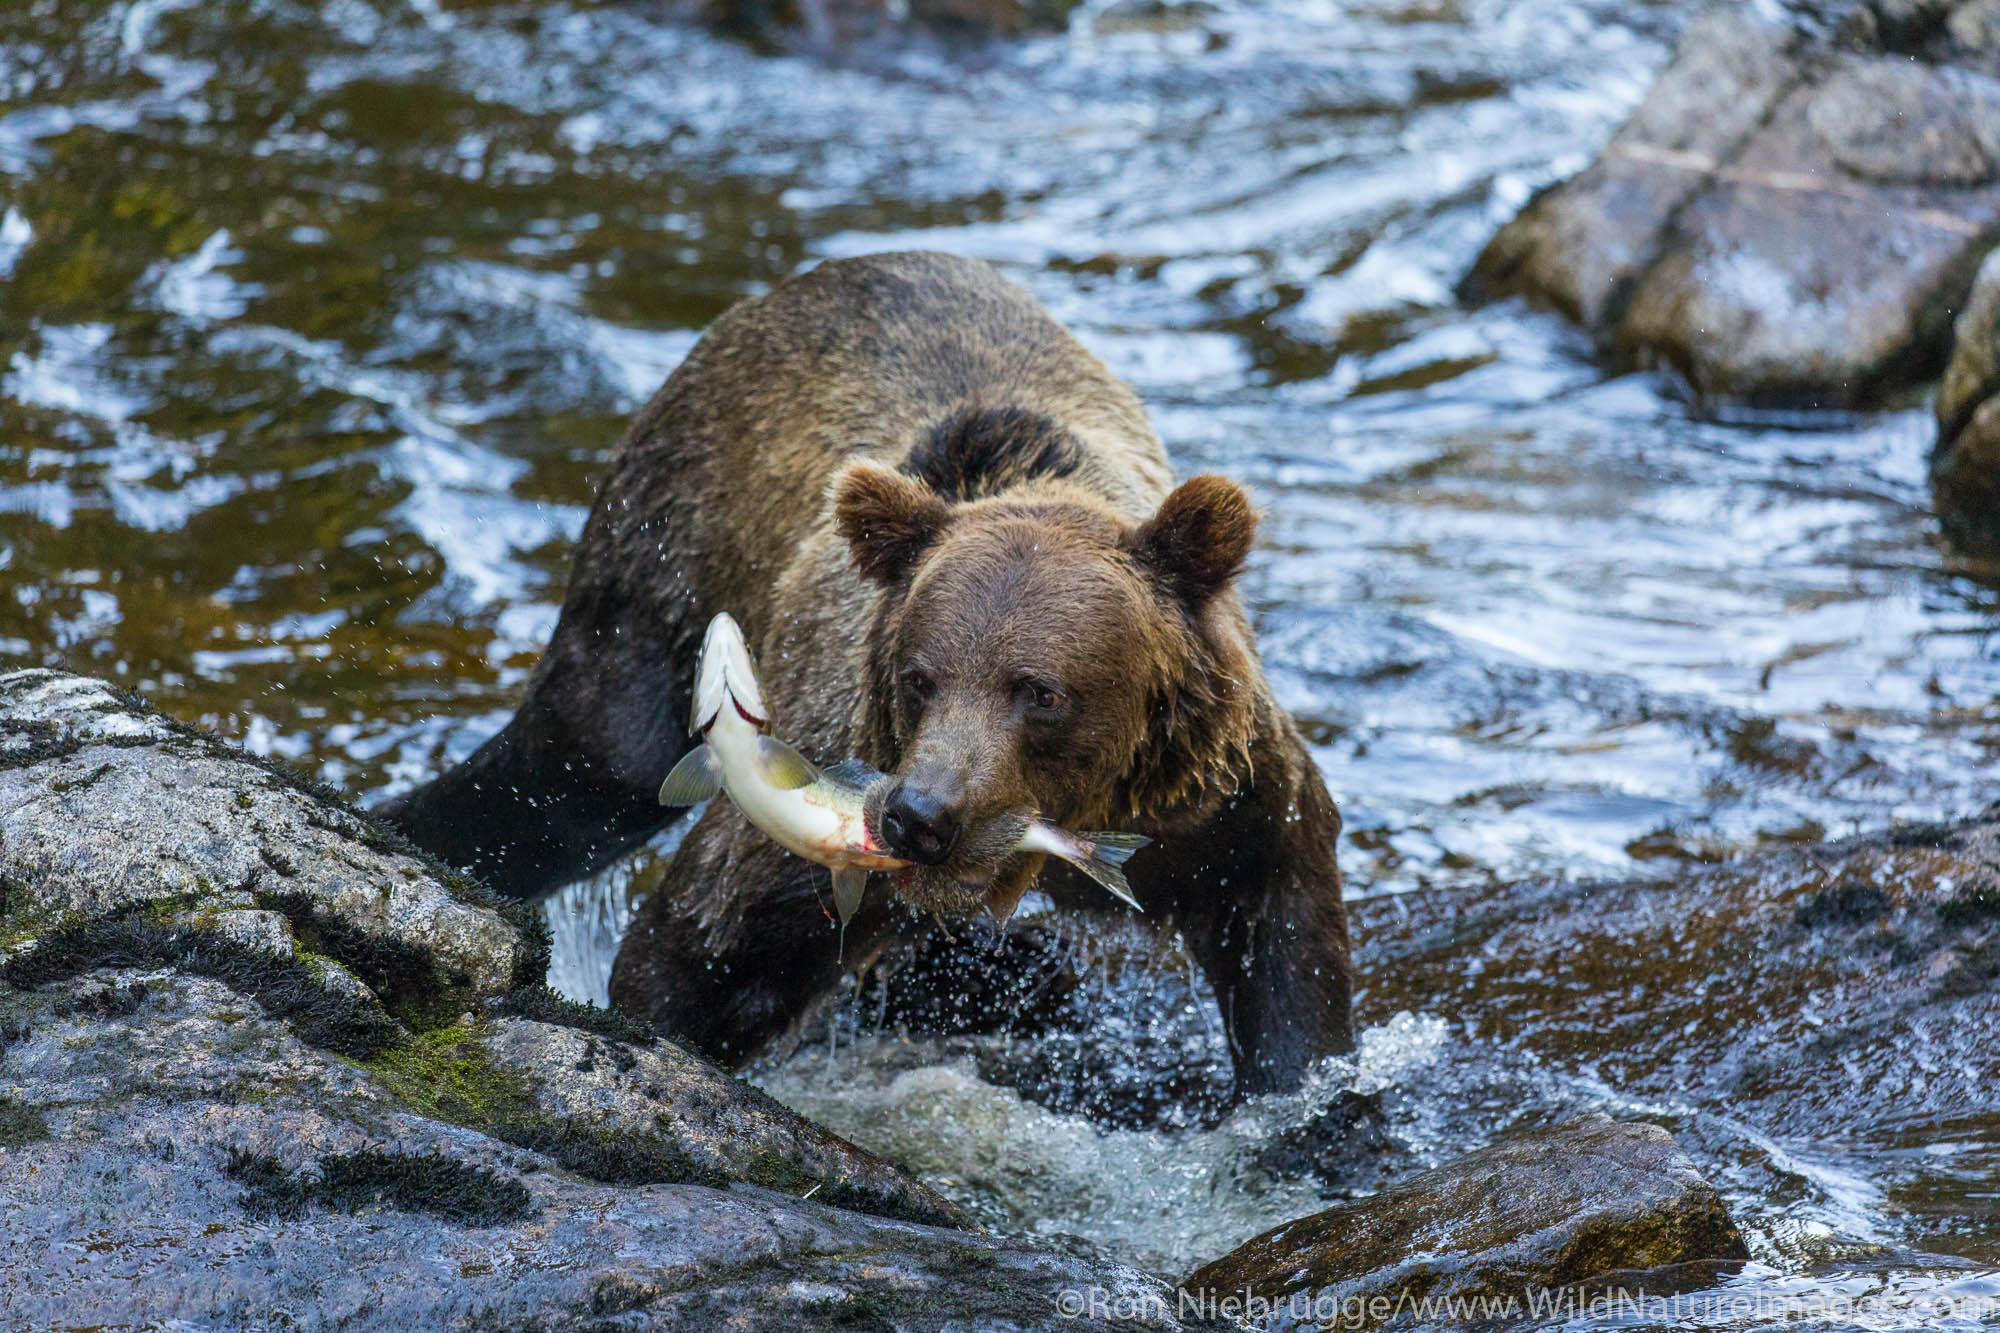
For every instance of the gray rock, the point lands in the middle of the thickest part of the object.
(1581, 246)
(660, 1097)
(172, 1153)
(1788, 219)
(1965, 466)
(255, 1058)
(1546, 1211)
(106, 808)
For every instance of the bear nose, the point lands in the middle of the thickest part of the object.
(918, 826)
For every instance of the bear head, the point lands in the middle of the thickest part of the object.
(1035, 655)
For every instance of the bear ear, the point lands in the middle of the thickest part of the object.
(1198, 540)
(887, 519)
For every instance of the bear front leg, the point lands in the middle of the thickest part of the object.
(571, 782)
(736, 946)
(1259, 905)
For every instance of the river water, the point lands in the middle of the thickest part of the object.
(318, 322)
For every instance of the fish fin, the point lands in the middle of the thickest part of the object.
(1102, 856)
(694, 779)
(854, 774)
(1001, 910)
(725, 672)
(782, 766)
(849, 882)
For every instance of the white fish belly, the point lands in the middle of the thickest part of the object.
(793, 822)
(786, 816)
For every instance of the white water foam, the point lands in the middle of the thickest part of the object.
(1166, 1200)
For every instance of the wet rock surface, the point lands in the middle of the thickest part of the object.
(1793, 215)
(212, 1109)
(189, 1158)
(1843, 992)
(1742, 984)
(1965, 467)
(111, 810)
(1544, 1211)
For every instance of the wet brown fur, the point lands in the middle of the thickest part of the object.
(893, 463)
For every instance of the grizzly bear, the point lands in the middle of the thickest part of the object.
(956, 549)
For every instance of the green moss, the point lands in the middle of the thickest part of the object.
(184, 908)
(287, 987)
(23, 915)
(446, 1075)
(543, 1005)
(409, 1182)
(449, 1075)
(80, 781)
(776, 1172)
(404, 976)
(20, 1124)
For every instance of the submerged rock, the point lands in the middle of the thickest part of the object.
(1792, 216)
(1539, 1213)
(1965, 467)
(826, 24)
(256, 1056)
(1844, 990)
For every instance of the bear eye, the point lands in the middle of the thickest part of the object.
(1045, 697)
(917, 683)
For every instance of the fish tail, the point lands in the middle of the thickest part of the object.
(1102, 856)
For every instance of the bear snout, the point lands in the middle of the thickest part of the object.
(919, 825)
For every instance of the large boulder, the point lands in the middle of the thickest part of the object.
(1793, 215)
(172, 1152)
(255, 1055)
(1540, 1213)
(1965, 467)
(112, 811)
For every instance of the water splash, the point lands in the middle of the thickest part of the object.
(1167, 1200)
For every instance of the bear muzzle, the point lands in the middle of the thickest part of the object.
(919, 825)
